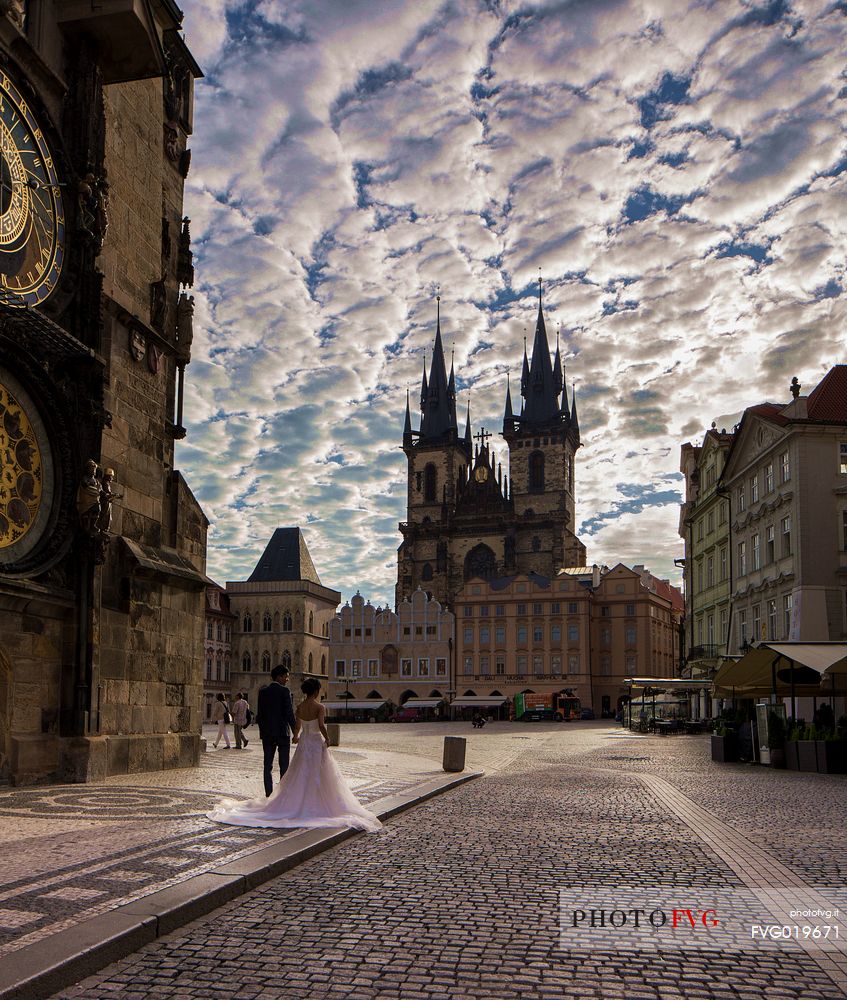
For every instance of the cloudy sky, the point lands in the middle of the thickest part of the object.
(675, 169)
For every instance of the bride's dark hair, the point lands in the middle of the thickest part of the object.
(310, 686)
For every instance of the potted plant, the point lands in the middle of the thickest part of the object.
(807, 752)
(795, 730)
(776, 739)
(724, 744)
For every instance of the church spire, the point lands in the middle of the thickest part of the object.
(424, 386)
(508, 416)
(542, 404)
(524, 370)
(407, 426)
(439, 413)
(557, 368)
(468, 437)
(574, 418)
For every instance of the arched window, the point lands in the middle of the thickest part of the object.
(245, 662)
(248, 622)
(286, 621)
(536, 471)
(226, 670)
(220, 632)
(209, 666)
(323, 664)
(219, 672)
(266, 662)
(426, 572)
(267, 622)
(310, 662)
(286, 659)
(311, 621)
(430, 483)
(480, 561)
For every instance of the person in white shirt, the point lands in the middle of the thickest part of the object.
(239, 721)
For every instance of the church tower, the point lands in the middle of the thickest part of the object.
(437, 460)
(466, 519)
(543, 440)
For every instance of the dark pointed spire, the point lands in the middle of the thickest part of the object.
(407, 427)
(557, 368)
(574, 418)
(439, 417)
(542, 403)
(524, 370)
(468, 436)
(508, 416)
(424, 386)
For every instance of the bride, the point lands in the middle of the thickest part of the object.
(312, 792)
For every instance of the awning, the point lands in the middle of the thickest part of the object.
(335, 705)
(423, 703)
(769, 665)
(667, 683)
(478, 701)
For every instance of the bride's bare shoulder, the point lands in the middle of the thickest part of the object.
(308, 713)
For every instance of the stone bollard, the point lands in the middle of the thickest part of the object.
(454, 753)
(333, 730)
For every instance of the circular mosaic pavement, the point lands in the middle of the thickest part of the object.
(108, 804)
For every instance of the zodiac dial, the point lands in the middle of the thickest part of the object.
(32, 220)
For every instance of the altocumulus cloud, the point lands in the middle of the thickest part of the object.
(676, 171)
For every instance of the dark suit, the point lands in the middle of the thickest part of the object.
(275, 716)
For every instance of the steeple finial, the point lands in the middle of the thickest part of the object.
(438, 312)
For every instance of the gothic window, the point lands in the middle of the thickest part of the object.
(267, 622)
(570, 474)
(536, 471)
(286, 659)
(266, 662)
(245, 662)
(248, 622)
(323, 664)
(426, 572)
(286, 621)
(311, 622)
(536, 544)
(430, 483)
(480, 561)
(310, 662)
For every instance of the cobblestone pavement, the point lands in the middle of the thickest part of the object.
(465, 896)
(70, 852)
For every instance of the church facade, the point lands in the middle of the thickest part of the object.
(102, 545)
(465, 518)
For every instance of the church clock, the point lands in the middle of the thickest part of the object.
(32, 221)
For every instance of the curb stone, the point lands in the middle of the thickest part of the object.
(47, 966)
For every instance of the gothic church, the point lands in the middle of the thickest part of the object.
(465, 518)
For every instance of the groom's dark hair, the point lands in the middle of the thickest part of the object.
(279, 672)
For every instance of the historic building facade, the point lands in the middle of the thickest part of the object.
(102, 545)
(383, 658)
(704, 527)
(464, 517)
(217, 648)
(786, 479)
(583, 632)
(282, 616)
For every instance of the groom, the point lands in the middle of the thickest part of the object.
(275, 716)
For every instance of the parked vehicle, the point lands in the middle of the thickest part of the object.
(587, 713)
(407, 715)
(546, 707)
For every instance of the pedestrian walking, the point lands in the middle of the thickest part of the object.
(220, 714)
(240, 720)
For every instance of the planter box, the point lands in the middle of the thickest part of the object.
(831, 756)
(777, 757)
(724, 749)
(807, 755)
(791, 755)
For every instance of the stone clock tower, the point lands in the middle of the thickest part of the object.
(102, 545)
(465, 517)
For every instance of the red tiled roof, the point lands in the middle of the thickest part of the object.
(769, 411)
(828, 400)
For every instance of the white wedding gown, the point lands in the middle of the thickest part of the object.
(311, 793)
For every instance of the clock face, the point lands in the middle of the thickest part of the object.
(481, 474)
(32, 220)
(25, 472)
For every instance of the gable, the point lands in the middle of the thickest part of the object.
(755, 438)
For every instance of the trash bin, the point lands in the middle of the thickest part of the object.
(454, 753)
(334, 732)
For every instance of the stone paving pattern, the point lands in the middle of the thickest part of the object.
(70, 852)
(459, 897)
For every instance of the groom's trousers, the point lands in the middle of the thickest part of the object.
(272, 748)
